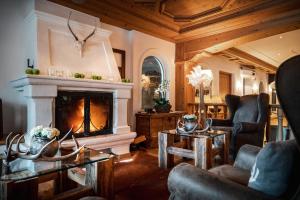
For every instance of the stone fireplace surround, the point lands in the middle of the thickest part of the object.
(50, 45)
(41, 92)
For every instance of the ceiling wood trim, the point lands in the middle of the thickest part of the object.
(219, 42)
(189, 18)
(245, 58)
(137, 16)
(249, 8)
(214, 30)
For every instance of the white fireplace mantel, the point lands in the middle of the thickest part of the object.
(41, 92)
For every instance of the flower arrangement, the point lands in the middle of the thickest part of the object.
(200, 76)
(162, 103)
(190, 117)
(44, 132)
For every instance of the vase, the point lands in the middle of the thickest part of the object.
(37, 143)
(189, 124)
(164, 108)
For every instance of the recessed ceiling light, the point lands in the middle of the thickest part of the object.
(278, 54)
(280, 37)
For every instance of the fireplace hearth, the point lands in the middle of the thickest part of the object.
(88, 113)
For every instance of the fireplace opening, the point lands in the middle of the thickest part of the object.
(89, 113)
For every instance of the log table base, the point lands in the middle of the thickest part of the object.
(202, 154)
(97, 181)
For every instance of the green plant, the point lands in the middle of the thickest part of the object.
(28, 71)
(78, 75)
(36, 71)
(96, 77)
(124, 80)
(161, 101)
(191, 117)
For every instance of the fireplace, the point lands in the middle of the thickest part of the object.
(88, 113)
(67, 101)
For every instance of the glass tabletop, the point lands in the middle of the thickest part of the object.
(21, 169)
(197, 133)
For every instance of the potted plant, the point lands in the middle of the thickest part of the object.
(40, 136)
(190, 121)
(162, 103)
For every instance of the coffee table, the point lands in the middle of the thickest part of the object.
(205, 146)
(20, 179)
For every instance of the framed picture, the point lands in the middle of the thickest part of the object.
(120, 60)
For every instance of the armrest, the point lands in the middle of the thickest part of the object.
(188, 182)
(246, 127)
(221, 122)
(246, 157)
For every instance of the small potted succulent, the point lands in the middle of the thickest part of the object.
(40, 136)
(190, 121)
(161, 103)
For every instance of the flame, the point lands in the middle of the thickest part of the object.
(98, 116)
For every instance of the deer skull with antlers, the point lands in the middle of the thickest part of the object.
(80, 44)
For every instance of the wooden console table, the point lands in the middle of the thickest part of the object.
(149, 124)
(21, 179)
(205, 148)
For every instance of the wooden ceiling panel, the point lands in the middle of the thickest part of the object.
(196, 25)
(187, 10)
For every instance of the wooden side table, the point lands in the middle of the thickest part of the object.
(203, 152)
(149, 124)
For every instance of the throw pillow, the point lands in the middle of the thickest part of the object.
(273, 166)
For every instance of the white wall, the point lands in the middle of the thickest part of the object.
(143, 46)
(12, 61)
(13, 56)
(219, 63)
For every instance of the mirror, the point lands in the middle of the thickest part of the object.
(152, 76)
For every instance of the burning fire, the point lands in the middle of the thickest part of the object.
(98, 116)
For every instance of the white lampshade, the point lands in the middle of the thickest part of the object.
(200, 76)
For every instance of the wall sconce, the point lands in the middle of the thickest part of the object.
(238, 85)
(255, 87)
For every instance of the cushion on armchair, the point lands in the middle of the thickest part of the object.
(273, 167)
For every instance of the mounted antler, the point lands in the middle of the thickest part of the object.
(80, 43)
(17, 153)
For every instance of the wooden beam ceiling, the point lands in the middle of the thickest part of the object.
(197, 25)
(243, 58)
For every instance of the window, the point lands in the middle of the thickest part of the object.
(152, 76)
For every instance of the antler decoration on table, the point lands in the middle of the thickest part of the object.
(80, 43)
(181, 130)
(12, 154)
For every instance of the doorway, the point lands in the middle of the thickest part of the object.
(224, 84)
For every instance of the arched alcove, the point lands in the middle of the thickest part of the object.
(152, 76)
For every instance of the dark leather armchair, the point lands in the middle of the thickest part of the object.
(230, 182)
(247, 119)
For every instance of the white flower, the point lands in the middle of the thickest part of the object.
(36, 130)
(200, 76)
(50, 133)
